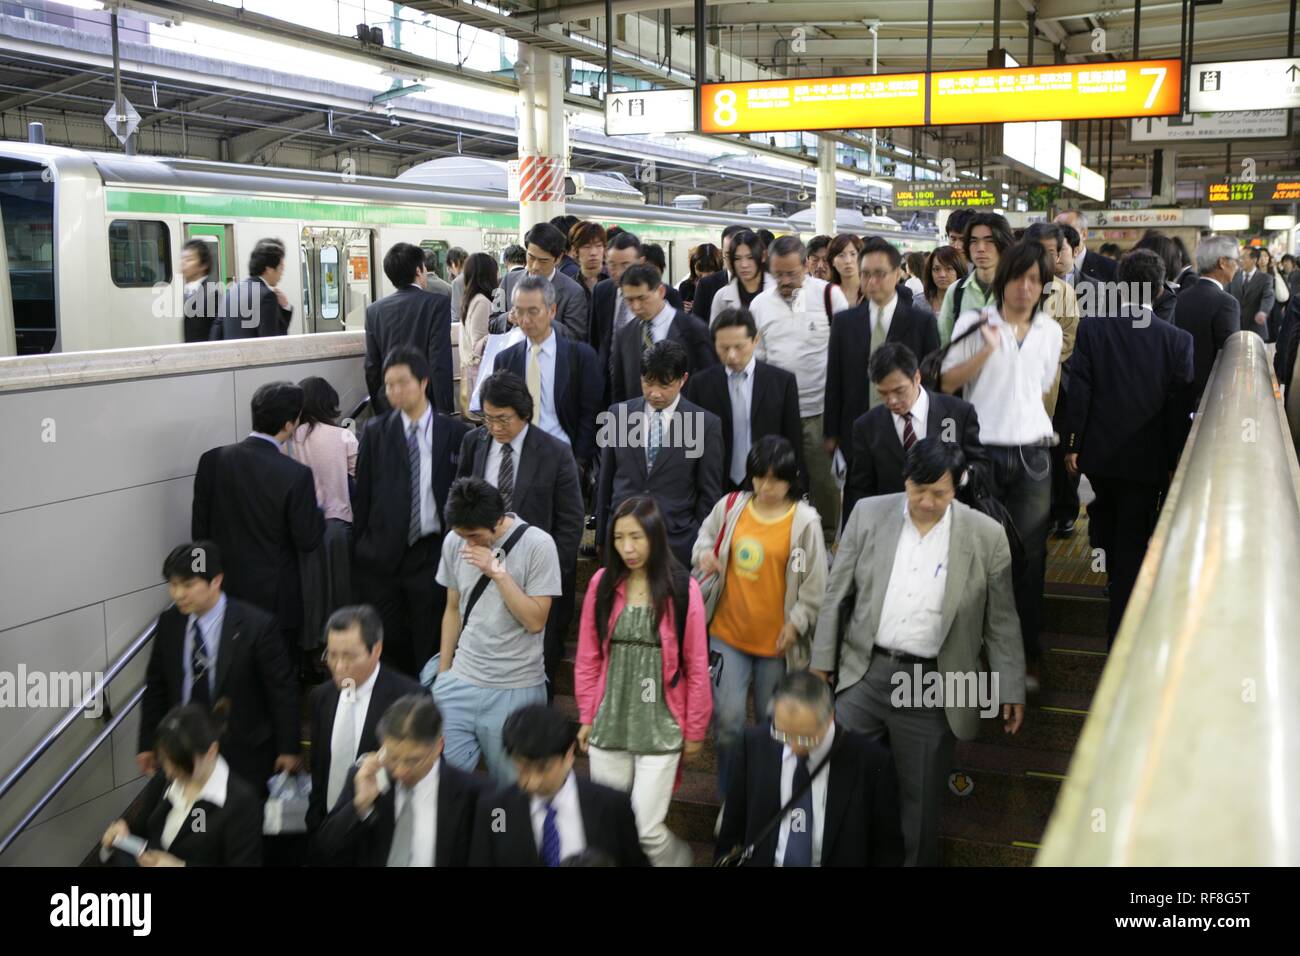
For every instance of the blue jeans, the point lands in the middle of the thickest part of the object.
(472, 718)
(730, 695)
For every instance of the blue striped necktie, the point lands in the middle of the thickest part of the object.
(413, 458)
(550, 838)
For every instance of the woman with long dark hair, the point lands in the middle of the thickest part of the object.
(475, 312)
(747, 260)
(331, 454)
(705, 259)
(641, 676)
(943, 267)
(842, 254)
(196, 812)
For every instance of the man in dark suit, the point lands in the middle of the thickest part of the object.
(551, 814)
(653, 320)
(563, 376)
(538, 479)
(850, 814)
(883, 436)
(1253, 288)
(410, 316)
(750, 398)
(346, 709)
(1208, 311)
(202, 302)
(710, 285)
(421, 815)
(664, 446)
(220, 653)
(256, 306)
(609, 311)
(546, 246)
(858, 332)
(405, 465)
(1126, 423)
(259, 505)
(1092, 265)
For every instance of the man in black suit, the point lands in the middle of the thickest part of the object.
(609, 312)
(345, 710)
(538, 479)
(551, 814)
(256, 306)
(1092, 265)
(750, 398)
(849, 816)
(420, 813)
(653, 320)
(563, 376)
(908, 413)
(218, 652)
(1208, 311)
(410, 316)
(664, 446)
(1253, 288)
(259, 506)
(546, 246)
(858, 332)
(405, 465)
(710, 285)
(1126, 422)
(202, 302)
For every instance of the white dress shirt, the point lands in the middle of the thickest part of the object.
(883, 314)
(424, 828)
(660, 323)
(429, 523)
(920, 415)
(1008, 391)
(795, 334)
(745, 389)
(913, 609)
(360, 704)
(820, 784)
(492, 467)
(666, 418)
(568, 819)
(547, 416)
(214, 792)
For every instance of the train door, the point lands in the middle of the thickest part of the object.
(27, 217)
(337, 278)
(8, 341)
(439, 248)
(219, 238)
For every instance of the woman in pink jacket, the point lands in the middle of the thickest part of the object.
(642, 684)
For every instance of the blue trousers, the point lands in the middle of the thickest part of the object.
(472, 718)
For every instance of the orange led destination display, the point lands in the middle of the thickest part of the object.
(833, 102)
(1067, 91)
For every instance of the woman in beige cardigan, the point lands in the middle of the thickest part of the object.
(761, 560)
(476, 309)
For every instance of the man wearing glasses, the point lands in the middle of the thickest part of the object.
(845, 814)
(346, 709)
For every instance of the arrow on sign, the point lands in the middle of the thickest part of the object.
(1293, 72)
(618, 106)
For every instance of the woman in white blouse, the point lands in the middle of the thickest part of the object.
(331, 454)
(475, 311)
(747, 261)
(1007, 365)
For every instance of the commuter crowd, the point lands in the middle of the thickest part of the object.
(813, 473)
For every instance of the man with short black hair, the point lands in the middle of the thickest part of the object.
(420, 813)
(750, 398)
(546, 246)
(663, 445)
(987, 236)
(818, 262)
(1253, 288)
(456, 258)
(432, 281)
(845, 815)
(412, 316)
(202, 300)
(345, 709)
(405, 465)
(654, 319)
(501, 575)
(551, 814)
(930, 584)
(259, 505)
(609, 310)
(216, 651)
(955, 227)
(256, 306)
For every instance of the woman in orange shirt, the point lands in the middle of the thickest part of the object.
(761, 558)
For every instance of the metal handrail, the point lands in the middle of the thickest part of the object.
(68, 774)
(1189, 753)
(66, 721)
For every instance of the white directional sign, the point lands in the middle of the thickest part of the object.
(130, 120)
(1247, 124)
(1237, 85)
(650, 111)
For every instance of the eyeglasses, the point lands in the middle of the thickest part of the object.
(499, 419)
(879, 275)
(808, 743)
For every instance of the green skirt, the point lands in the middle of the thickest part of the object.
(633, 716)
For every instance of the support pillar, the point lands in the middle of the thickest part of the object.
(543, 137)
(825, 201)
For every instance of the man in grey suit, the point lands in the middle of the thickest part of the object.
(928, 581)
(661, 445)
(1253, 288)
(432, 281)
(546, 246)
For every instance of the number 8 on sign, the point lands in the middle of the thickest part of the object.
(724, 113)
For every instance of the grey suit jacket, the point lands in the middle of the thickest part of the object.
(572, 304)
(1255, 296)
(433, 283)
(979, 609)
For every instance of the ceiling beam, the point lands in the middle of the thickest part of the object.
(189, 107)
(54, 88)
(247, 145)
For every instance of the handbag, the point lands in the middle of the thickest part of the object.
(740, 855)
(710, 583)
(977, 493)
(286, 804)
(932, 364)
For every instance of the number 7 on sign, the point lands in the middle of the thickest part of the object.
(1159, 73)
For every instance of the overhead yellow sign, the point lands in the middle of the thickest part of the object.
(834, 102)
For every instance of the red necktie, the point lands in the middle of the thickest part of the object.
(909, 436)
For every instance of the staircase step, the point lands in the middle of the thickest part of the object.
(1074, 615)
(1066, 669)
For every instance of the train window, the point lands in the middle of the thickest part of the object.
(27, 210)
(439, 249)
(139, 253)
(329, 282)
